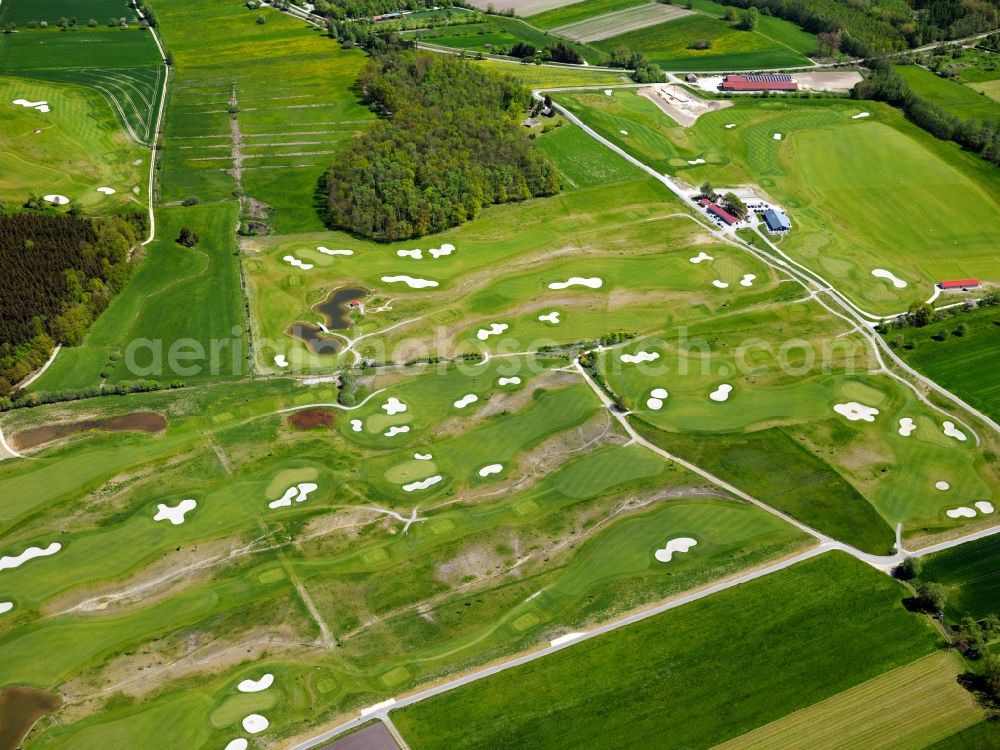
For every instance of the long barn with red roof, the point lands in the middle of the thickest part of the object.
(764, 82)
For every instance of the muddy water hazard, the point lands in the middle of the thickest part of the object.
(20, 708)
(336, 308)
(140, 421)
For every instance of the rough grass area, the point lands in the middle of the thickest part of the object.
(699, 675)
(496, 33)
(983, 736)
(953, 96)
(972, 574)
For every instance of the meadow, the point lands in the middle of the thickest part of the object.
(498, 32)
(971, 575)
(575, 12)
(956, 98)
(21, 12)
(831, 624)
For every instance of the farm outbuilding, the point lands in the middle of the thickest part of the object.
(959, 284)
(768, 82)
(776, 220)
(721, 213)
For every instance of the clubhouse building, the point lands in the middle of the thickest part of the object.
(762, 82)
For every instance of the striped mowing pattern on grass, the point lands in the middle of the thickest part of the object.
(620, 22)
(909, 707)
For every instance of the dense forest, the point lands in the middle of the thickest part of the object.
(447, 144)
(885, 85)
(865, 28)
(60, 272)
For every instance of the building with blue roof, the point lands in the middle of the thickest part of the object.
(776, 220)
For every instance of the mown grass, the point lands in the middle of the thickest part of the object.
(952, 96)
(22, 12)
(983, 736)
(972, 574)
(699, 675)
(574, 12)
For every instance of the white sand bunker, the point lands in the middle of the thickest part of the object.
(42, 106)
(859, 115)
(176, 513)
(696, 161)
(6, 607)
(299, 493)
(623, 132)
(409, 281)
(280, 360)
(680, 544)
(906, 426)
(394, 406)
(55, 198)
(700, 257)
(748, 279)
(984, 506)
(552, 317)
(856, 412)
(634, 359)
(415, 254)
(509, 381)
(960, 512)
(106, 190)
(495, 329)
(490, 469)
(656, 398)
(328, 251)
(255, 723)
(730, 125)
(393, 431)
(238, 744)
(255, 686)
(445, 249)
(593, 282)
(721, 393)
(423, 456)
(608, 92)
(943, 486)
(9, 562)
(468, 398)
(292, 260)
(720, 284)
(356, 425)
(953, 432)
(777, 136)
(881, 273)
(423, 484)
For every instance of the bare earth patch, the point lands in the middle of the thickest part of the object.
(680, 104)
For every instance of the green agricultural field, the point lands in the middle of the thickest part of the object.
(579, 11)
(971, 574)
(78, 147)
(931, 222)
(954, 97)
(831, 623)
(553, 77)
(668, 45)
(983, 736)
(23, 12)
(989, 88)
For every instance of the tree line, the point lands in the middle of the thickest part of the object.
(60, 273)
(884, 84)
(447, 143)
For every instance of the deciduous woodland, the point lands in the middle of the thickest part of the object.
(60, 272)
(449, 143)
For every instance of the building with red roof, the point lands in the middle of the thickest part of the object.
(719, 212)
(959, 284)
(768, 82)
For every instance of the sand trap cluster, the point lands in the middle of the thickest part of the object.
(509, 381)
(881, 273)
(552, 317)
(468, 398)
(748, 279)
(298, 493)
(983, 506)
(42, 106)
(292, 260)
(356, 425)
(680, 544)
(718, 284)
(953, 432)
(106, 190)
(255, 723)
(396, 430)
(495, 329)
(943, 486)
(238, 744)
(415, 254)
(423, 456)
(9, 562)
(859, 115)
(656, 398)
(906, 426)
(55, 198)
(280, 360)
(490, 469)
(6, 607)
(856, 412)
(328, 251)
(700, 257)
(438, 252)
(410, 281)
(634, 359)
(592, 282)
(255, 686)
(176, 513)
(394, 406)
(777, 136)
(423, 484)
(721, 393)
(696, 161)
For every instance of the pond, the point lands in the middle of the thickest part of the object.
(20, 708)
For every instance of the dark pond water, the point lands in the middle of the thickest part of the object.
(20, 708)
(317, 341)
(336, 308)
